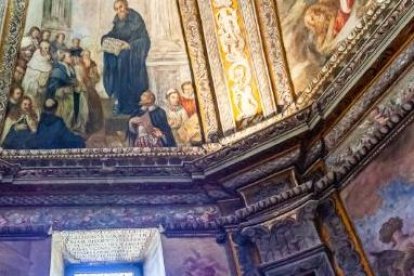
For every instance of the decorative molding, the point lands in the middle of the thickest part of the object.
(78, 218)
(378, 10)
(8, 171)
(340, 243)
(268, 186)
(262, 170)
(216, 67)
(102, 153)
(388, 113)
(284, 237)
(193, 32)
(272, 203)
(103, 199)
(270, 134)
(243, 248)
(257, 57)
(381, 84)
(13, 28)
(312, 262)
(386, 19)
(274, 50)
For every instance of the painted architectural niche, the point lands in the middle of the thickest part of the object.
(101, 74)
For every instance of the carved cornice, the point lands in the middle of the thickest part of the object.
(273, 46)
(262, 170)
(367, 57)
(143, 199)
(193, 33)
(75, 218)
(381, 84)
(378, 15)
(375, 127)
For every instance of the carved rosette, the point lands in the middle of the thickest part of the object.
(273, 47)
(196, 48)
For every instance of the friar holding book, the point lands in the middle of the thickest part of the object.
(126, 48)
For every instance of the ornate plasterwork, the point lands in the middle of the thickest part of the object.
(243, 87)
(256, 55)
(358, 109)
(390, 110)
(217, 74)
(315, 262)
(367, 53)
(3, 6)
(263, 170)
(243, 248)
(379, 9)
(180, 152)
(271, 134)
(273, 47)
(283, 238)
(107, 246)
(98, 217)
(343, 248)
(193, 33)
(103, 199)
(8, 48)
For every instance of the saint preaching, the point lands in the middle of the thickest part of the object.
(126, 48)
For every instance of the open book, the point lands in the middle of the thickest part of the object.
(112, 45)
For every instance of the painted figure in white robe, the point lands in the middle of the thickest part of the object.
(37, 74)
(246, 104)
(30, 43)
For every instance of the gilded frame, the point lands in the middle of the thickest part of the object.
(11, 32)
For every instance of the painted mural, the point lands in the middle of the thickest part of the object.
(380, 201)
(312, 29)
(96, 73)
(197, 257)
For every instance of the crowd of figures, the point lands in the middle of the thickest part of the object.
(52, 80)
(53, 96)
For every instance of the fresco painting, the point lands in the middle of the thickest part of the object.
(312, 30)
(197, 257)
(380, 202)
(101, 74)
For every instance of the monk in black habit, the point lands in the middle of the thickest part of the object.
(148, 126)
(125, 75)
(52, 132)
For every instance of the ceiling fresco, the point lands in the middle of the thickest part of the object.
(212, 72)
(237, 129)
